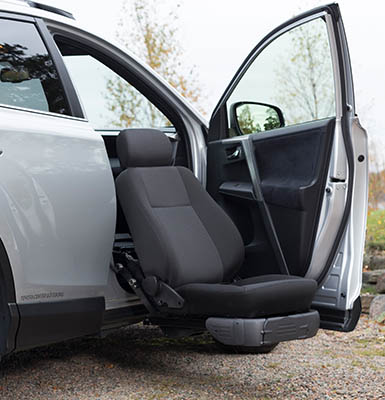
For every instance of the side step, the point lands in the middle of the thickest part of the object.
(263, 331)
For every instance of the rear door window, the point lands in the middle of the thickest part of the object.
(28, 76)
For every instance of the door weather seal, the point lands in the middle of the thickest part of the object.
(248, 149)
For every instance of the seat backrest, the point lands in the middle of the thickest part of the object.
(181, 235)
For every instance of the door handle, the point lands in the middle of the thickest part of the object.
(235, 154)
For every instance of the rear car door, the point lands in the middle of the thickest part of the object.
(287, 159)
(57, 194)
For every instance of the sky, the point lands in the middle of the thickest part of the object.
(218, 34)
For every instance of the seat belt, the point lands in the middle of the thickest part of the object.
(248, 148)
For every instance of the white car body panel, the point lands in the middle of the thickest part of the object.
(58, 205)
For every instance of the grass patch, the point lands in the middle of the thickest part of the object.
(372, 352)
(368, 289)
(273, 365)
(371, 341)
(381, 318)
(375, 234)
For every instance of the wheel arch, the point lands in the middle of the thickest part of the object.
(9, 314)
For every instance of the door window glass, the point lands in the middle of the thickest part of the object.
(293, 74)
(28, 77)
(110, 102)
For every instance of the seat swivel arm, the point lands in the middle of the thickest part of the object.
(126, 274)
(150, 290)
(162, 293)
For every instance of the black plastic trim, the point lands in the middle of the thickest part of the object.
(51, 9)
(291, 129)
(45, 323)
(338, 320)
(8, 309)
(69, 90)
(118, 317)
(241, 190)
(6, 276)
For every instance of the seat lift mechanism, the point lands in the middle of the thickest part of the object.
(155, 294)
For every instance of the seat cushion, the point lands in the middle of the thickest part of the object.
(259, 296)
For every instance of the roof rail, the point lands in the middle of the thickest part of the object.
(46, 7)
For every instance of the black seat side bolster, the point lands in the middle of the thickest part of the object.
(251, 300)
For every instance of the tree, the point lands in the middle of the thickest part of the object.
(305, 77)
(272, 120)
(250, 119)
(154, 40)
(19, 66)
(246, 121)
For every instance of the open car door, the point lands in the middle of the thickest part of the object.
(287, 160)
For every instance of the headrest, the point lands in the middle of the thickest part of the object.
(143, 148)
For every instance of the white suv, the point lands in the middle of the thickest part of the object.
(275, 256)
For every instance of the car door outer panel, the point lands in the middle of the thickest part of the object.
(58, 205)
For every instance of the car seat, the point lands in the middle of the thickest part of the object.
(190, 252)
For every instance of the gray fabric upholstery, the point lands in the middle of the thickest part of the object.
(181, 235)
(249, 298)
(143, 148)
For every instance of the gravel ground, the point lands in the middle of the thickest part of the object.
(138, 363)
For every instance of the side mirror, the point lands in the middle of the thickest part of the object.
(250, 117)
(13, 75)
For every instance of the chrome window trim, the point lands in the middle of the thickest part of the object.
(41, 112)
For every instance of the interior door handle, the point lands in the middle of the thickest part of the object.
(234, 155)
